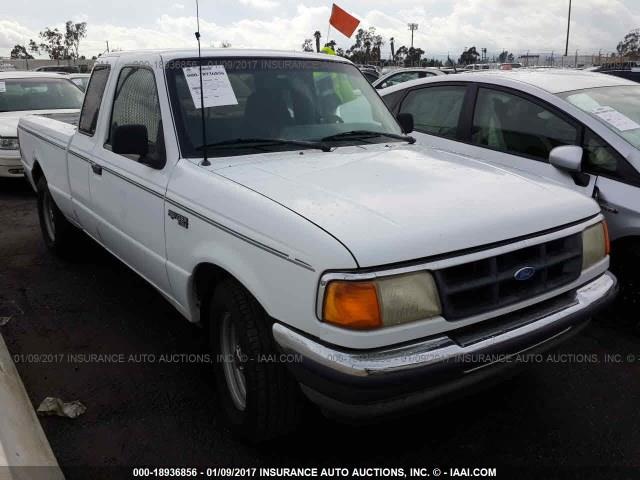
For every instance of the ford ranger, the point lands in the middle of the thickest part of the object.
(273, 198)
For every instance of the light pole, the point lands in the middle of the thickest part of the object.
(566, 49)
(413, 27)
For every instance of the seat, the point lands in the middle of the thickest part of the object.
(266, 113)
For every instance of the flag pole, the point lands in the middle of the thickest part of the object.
(329, 26)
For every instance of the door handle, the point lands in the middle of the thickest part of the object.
(97, 169)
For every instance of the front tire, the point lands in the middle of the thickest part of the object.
(59, 235)
(259, 399)
(624, 261)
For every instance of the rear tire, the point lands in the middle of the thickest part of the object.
(59, 235)
(259, 399)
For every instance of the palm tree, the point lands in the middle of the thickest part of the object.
(317, 34)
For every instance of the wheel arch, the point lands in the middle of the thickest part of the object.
(205, 278)
(36, 174)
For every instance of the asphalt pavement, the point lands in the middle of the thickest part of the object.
(91, 330)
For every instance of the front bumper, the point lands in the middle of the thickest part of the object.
(10, 164)
(355, 384)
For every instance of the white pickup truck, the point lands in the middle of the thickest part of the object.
(323, 251)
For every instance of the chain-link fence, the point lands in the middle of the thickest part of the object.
(32, 64)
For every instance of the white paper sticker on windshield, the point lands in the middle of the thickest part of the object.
(216, 86)
(3, 88)
(615, 119)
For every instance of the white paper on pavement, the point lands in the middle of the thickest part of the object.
(216, 86)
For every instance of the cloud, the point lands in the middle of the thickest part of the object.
(12, 32)
(260, 4)
(444, 25)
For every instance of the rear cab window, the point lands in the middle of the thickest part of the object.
(93, 99)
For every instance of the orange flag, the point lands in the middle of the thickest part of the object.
(342, 21)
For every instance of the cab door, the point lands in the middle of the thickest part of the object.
(128, 190)
(81, 148)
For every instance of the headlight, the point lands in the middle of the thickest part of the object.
(595, 244)
(381, 302)
(9, 143)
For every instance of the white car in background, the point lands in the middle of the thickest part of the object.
(402, 75)
(517, 118)
(26, 93)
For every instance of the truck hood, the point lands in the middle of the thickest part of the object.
(390, 204)
(9, 120)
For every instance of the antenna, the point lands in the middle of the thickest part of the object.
(205, 161)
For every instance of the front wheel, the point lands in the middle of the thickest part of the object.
(58, 233)
(258, 397)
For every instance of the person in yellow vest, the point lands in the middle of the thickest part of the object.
(328, 50)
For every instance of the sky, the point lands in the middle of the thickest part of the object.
(445, 26)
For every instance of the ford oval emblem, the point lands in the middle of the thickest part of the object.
(525, 273)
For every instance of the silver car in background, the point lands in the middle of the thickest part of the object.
(516, 118)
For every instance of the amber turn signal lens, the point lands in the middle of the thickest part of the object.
(352, 305)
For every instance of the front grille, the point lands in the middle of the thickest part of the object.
(488, 284)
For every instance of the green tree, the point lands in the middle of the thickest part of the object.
(52, 43)
(630, 46)
(307, 45)
(34, 47)
(74, 32)
(317, 36)
(413, 57)
(367, 46)
(469, 56)
(20, 52)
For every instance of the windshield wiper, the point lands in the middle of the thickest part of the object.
(263, 142)
(355, 134)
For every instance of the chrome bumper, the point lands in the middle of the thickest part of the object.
(10, 164)
(375, 375)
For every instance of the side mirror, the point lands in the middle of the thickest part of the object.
(567, 157)
(130, 140)
(406, 122)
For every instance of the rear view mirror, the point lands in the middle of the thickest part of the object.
(567, 157)
(406, 122)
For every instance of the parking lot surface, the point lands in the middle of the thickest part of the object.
(91, 330)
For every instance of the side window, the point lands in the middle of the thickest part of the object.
(400, 78)
(512, 124)
(92, 100)
(436, 110)
(136, 103)
(600, 158)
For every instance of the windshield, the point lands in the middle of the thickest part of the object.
(81, 82)
(20, 94)
(297, 100)
(616, 107)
